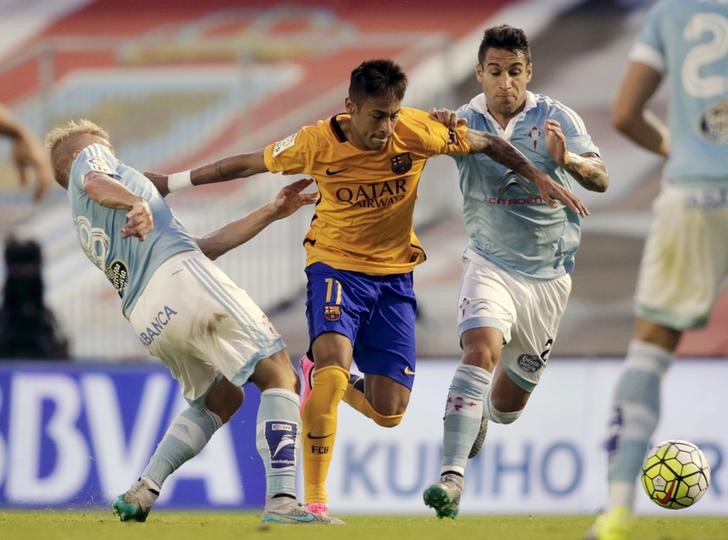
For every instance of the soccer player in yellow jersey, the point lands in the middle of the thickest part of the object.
(361, 247)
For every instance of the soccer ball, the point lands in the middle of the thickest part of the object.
(675, 474)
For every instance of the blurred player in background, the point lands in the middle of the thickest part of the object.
(28, 154)
(361, 248)
(28, 327)
(516, 280)
(685, 258)
(187, 312)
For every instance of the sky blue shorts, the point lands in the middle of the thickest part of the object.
(377, 313)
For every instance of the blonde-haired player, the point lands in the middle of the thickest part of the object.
(187, 312)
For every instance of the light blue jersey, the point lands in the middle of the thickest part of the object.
(688, 39)
(127, 262)
(506, 220)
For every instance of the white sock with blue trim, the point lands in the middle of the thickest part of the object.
(463, 414)
(277, 433)
(186, 436)
(635, 413)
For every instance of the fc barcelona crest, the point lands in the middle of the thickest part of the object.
(332, 313)
(401, 163)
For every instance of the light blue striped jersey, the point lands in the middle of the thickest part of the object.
(506, 220)
(127, 262)
(688, 41)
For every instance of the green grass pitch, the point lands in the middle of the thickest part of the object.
(195, 525)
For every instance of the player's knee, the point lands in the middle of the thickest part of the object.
(224, 399)
(499, 417)
(275, 371)
(386, 412)
(481, 355)
(386, 420)
(287, 378)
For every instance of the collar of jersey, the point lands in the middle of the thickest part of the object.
(336, 128)
(480, 104)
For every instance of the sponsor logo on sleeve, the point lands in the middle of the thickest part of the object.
(98, 164)
(280, 146)
(452, 136)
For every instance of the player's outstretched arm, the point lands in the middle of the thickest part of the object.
(28, 154)
(228, 168)
(588, 169)
(630, 115)
(288, 200)
(107, 192)
(508, 155)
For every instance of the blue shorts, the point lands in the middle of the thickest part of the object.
(377, 313)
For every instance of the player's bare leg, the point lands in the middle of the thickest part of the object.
(378, 397)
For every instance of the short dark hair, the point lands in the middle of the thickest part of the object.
(377, 78)
(504, 37)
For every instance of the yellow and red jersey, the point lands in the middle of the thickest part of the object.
(364, 213)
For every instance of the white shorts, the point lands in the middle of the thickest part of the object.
(202, 325)
(685, 259)
(527, 311)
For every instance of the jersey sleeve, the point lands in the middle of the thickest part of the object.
(94, 158)
(578, 140)
(291, 155)
(436, 138)
(466, 112)
(649, 48)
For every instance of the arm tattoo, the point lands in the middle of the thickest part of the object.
(501, 151)
(589, 170)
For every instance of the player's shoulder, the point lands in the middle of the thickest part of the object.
(95, 157)
(414, 123)
(97, 150)
(319, 130)
(410, 115)
(305, 139)
(468, 112)
(476, 106)
(666, 8)
(661, 13)
(549, 107)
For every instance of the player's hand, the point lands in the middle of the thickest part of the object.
(139, 220)
(556, 142)
(448, 117)
(32, 160)
(551, 192)
(160, 182)
(290, 198)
